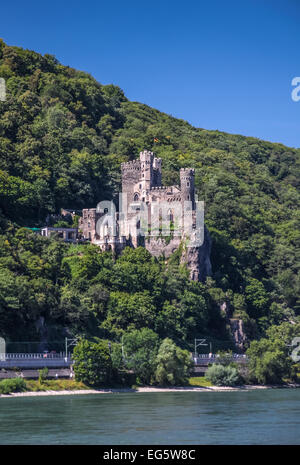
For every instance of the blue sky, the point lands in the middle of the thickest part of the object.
(218, 64)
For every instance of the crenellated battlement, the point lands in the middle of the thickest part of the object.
(131, 165)
(187, 172)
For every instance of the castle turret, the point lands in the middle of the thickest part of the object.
(187, 185)
(156, 172)
(146, 159)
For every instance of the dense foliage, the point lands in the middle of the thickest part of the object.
(149, 361)
(92, 363)
(140, 352)
(270, 361)
(92, 294)
(62, 139)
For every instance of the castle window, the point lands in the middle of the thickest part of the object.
(105, 211)
(170, 215)
(136, 197)
(188, 184)
(89, 224)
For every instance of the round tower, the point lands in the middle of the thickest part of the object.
(146, 159)
(187, 185)
(157, 172)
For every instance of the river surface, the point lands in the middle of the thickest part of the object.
(256, 417)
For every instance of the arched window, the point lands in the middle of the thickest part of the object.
(136, 197)
(105, 211)
(170, 215)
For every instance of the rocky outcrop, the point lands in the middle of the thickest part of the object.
(198, 259)
(161, 246)
(238, 333)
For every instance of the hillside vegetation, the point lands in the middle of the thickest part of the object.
(63, 136)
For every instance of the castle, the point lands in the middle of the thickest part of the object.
(154, 216)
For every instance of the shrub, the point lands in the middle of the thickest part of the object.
(220, 375)
(12, 385)
(43, 374)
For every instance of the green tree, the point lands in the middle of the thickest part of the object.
(174, 365)
(141, 348)
(92, 363)
(131, 311)
(269, 361)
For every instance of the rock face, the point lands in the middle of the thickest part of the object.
(198, 259)
(237, 331)
(160, 246)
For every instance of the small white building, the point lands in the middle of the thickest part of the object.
(67, 234)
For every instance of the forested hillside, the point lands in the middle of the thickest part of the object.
(63, 136)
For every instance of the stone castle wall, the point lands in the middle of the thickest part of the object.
(158, 246)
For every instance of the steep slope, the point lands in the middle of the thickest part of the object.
(62, 139)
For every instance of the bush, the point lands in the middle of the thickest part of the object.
(43, 375)
(220, 375)
(12, 385)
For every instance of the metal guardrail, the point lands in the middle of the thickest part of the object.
(213, 358)
(234, 356)
(31, 356)
(34, 360)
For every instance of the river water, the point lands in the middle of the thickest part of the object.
(244, 417)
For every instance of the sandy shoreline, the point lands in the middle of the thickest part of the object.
(147, 389)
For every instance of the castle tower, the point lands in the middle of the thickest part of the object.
(157, 172)
(146, 159)
(131, 173)
(187, 185)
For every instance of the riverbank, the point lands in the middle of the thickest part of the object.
(148, 389)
